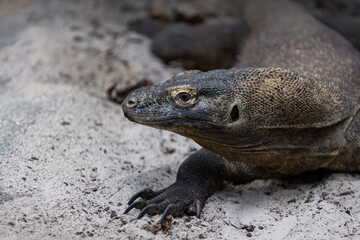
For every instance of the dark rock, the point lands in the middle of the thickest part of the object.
(113, 214)
(203, 47)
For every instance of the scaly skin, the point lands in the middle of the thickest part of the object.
(258, 122)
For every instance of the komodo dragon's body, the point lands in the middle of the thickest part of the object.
(295, 110)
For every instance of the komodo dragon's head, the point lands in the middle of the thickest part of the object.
(239, 108)
(192, 103)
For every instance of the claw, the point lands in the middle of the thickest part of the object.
(195, 208)
(167, 212)
(198, 206)
(146, 193)
(143, 211)
(137, 204)
(174, 200)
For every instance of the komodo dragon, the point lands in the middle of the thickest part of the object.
(291, 107)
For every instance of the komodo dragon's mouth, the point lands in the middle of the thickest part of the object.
(162, 120)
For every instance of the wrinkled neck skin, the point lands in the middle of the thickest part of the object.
(282, 150)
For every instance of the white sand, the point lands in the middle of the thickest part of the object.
(69, 159)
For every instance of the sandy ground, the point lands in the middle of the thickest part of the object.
(69, 160)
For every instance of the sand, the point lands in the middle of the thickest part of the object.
(70, 160)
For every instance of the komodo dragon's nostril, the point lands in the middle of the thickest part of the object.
(131, 103)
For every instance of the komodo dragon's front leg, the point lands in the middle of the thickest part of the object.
(198, 177)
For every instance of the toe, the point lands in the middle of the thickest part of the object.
(195, 208)
(138, 204)
(168, 211)
(146, 193)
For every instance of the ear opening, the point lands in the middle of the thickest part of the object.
(234, 115)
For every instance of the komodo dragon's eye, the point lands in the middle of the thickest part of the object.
(184, 97)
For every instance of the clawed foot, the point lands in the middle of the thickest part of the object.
(174, 200)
